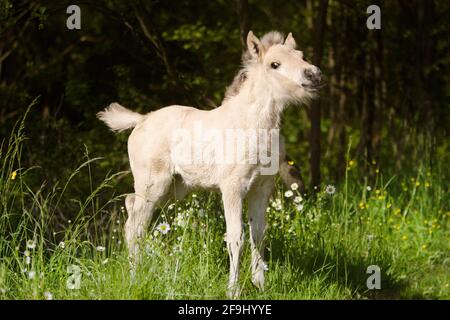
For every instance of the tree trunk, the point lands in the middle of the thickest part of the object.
(314, 138)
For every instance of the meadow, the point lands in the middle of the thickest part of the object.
(317, 247)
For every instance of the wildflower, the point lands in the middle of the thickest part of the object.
(288, 194)
(62, 245)
(13, 175)
(404, 238)
(294, 186)
(277, 204)
(163, 227)
(424, 247)
(417, 183)
(31, 274)
(290, 162)
(388, 206)
(26, 253)
(350, 164)
(171, 206)
(48, 296)
(265, 267)
(105, 261)
(330, 189)
(201, 213)
(369, 188)
(370, 237)
(427, 184)
(377, 170)
(31, 244)
(377, 192)
(298, 199)
(100, 248)
(299, 207)
(27, 260)
(362, 205)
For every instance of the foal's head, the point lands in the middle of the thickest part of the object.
(281, 65)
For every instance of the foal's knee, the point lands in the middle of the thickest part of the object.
(129, 203)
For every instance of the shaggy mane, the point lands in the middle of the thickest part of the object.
(269, 39)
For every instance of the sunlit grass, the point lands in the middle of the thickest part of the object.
(316, 249)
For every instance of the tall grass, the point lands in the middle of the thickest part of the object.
(316, 249)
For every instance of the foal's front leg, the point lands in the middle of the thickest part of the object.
(232, 202)
(258, 200)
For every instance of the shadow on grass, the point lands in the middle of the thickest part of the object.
(348, 271)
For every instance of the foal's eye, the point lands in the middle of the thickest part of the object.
(274, 65)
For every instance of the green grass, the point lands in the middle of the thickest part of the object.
(319, 251)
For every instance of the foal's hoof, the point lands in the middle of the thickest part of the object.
(233, 293)
(258, 280)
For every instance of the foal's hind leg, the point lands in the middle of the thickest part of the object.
(141, 206)
(258, 199)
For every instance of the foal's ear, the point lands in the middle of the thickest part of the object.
(255, 47)
(290, 41)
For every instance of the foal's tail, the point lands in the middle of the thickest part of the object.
(119, 118)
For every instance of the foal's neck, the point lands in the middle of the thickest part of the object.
(257, 103)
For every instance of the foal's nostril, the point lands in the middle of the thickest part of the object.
(309, 74)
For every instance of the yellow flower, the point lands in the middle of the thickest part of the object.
(427, 184)
(13, 175)
(290, 162)
(388, 205)
(404, 238)
(377, 191)
(397, 211)
(377, 170)
(363, 205)
(424, 247)
(350, 164)
(417, 183)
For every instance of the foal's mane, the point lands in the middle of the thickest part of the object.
(269, 39)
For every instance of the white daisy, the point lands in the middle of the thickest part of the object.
(294, 186)
(31, 274)
(298, 199)
(330, 189)
(100, 248)
(31, 244)
(62, 244)
(299, 207)
(27, 260)
(48, 296)
(163, 227)
(288, 194)
(369, 188)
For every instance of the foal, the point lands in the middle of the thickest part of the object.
(275, 76)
